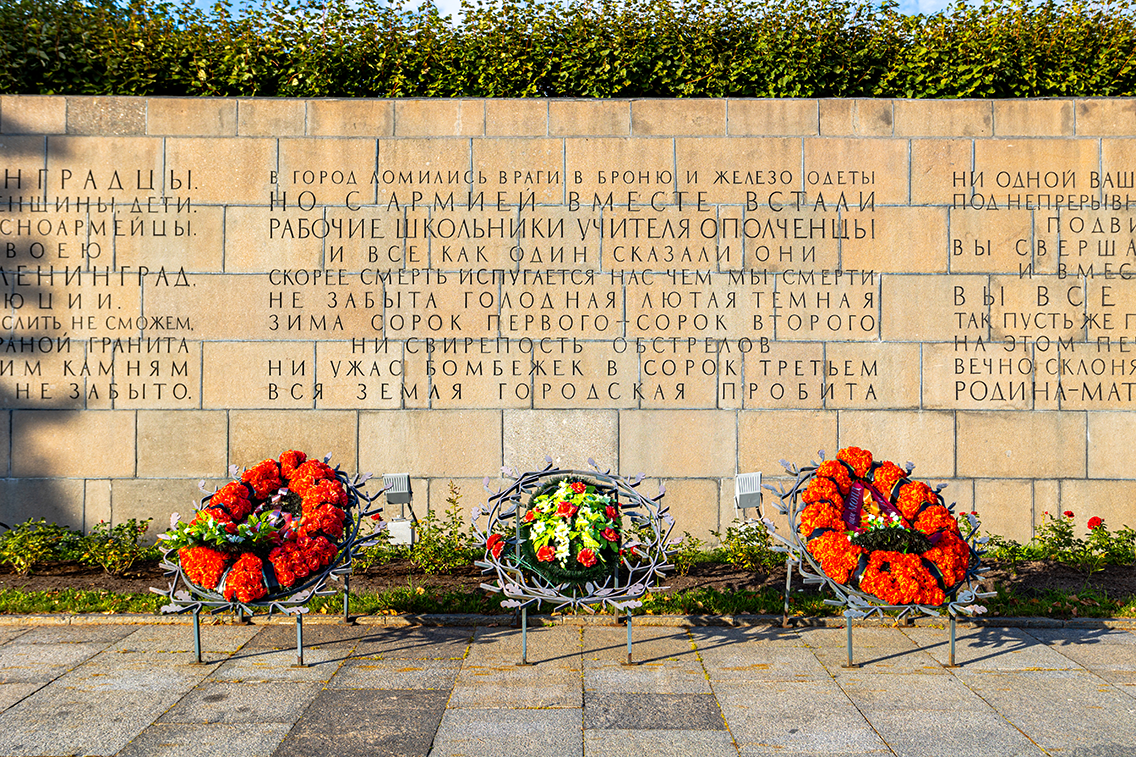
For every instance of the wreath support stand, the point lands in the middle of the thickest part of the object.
(856, 602)
(636, 572)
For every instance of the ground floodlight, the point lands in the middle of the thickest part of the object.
(747, 493)
(397, 488)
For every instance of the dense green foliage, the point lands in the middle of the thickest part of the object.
(606, 48)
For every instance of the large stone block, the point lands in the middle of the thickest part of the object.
(943, 118)
(33, 114)
(191, 117)
(767, 437)
(73, 444)
(224, 170)
(178, 443)
(772, 117)
(680, 443)
(569, 437)
(270, 117)
(153, 498)
(1005, 507)
(439, 118)
(675, 117)
(118, 116)
(434, 443)
(56, 500)
(856, 166)
(1106, 117)
(852, 117)
(1033, 118)
(516, 118)
(1109, 500)
(925, 438)
(350, 118)
(1021, 444)
(258, 434)
(589, 118)
(694, 504)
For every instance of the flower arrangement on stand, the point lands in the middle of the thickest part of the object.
(877, 538)
(574, 539)
(271, 538)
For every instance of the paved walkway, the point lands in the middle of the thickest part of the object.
(372, 690)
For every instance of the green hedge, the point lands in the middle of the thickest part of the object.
(634, 48)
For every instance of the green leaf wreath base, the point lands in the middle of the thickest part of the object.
(186, 596)
(524, 581)
(962, 598)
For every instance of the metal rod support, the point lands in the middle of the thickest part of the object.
(524, 636)
(952, 663)
(197, 635)
(300, 641)
(347, 598)
(629, 637)
(848, 625)
(788, 582)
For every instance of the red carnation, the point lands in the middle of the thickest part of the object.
(495, 543)
(579, 487)
(587, 558)
(1095, 523)
(610, 534)
(546, 554)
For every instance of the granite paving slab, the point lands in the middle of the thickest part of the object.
(185, 740)
(949, 733)
(669, 676)
(509, 733)
(670, 743)
(396, 674)
(649, 644)
(279, 665)
(1060, 710)
(684, 712)
(550, 644)
(890, 691)
(992, 649)
(546, 685)
(92, 634)
(42, 663)
(896, 659)
(762, 661)
(795, 716)
(12, 693)
(220, 639)
(283, 636)
(59, 720)
(421, 643)
(237, 703)
(368, 722)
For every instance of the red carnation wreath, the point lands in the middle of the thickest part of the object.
(871, 528)
(265, 533)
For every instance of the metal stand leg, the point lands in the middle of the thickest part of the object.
(197, 636)
(299, 640)
(851, 664)
(788, 581)
(347, 599)
(524, 637)
(629, 662)
(952, 664)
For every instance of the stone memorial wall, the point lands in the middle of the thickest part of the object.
(683, 288)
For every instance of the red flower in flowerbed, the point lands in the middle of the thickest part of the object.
(870, 527)
(265, 533)
(1095, 523)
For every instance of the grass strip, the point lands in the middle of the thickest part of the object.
(425, 599)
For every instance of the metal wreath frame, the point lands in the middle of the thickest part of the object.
(186, 596)
(859, 604)
(524, 587)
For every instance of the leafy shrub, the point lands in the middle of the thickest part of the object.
(444, 543)
(605, 48)
(35, 542)
(749, 548)
(1056, 540)
(380, 553)
(116, 549)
